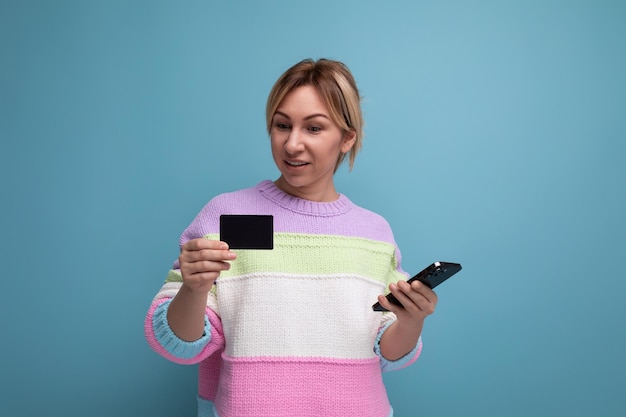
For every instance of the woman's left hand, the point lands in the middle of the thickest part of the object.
(418, 301)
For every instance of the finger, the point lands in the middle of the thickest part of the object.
(425, 291)
(202, 277)
(203, 243)
(205, 249)
(402, 294)
(192, 268)
(388, 305)
(413, 301)
(422, 297)
(207, 255)
(202, 273)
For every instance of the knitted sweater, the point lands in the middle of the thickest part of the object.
(290, 332)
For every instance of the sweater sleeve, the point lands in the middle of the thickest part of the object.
(387, 365)
(171, 343)
(396, 273)
(162, 339)
(158, 331)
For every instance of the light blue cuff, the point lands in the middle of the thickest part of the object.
(173, 344)
(206, 408)
(385, 364)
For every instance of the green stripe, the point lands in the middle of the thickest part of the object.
(295, 253)
(174, 276)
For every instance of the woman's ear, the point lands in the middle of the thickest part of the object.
(349, 138)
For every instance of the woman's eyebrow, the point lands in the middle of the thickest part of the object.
(280, 113)
(316, 115)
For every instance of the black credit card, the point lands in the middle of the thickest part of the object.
(247, 231)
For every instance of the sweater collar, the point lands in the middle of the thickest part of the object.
(269, 190)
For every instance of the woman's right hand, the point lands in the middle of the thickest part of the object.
(201, 261)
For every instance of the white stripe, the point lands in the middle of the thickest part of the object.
(299, 315)
(169, 290)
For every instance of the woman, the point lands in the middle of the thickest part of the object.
(290, 331)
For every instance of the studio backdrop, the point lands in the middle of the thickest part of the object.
(495, 137)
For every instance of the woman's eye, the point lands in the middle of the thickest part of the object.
(282, 126)
(315, 129)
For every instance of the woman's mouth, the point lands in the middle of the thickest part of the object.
(296, 163)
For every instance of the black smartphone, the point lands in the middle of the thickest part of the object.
(433, 275)
(247, 231)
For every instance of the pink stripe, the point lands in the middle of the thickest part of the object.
(209, 376)
(303, 387)
(216, 343)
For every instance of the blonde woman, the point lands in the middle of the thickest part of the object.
(290, 331)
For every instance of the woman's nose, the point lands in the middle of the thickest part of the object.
(294, 142)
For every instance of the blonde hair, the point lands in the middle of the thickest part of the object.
(337, 88)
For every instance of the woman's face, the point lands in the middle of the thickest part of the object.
(306, 143)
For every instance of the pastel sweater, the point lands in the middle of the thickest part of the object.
(290, 332)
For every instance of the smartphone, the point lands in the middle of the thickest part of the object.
(247, 231)
(432, 275)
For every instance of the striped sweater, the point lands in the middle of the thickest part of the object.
(290, 332)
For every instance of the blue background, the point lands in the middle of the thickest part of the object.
(495, 137)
